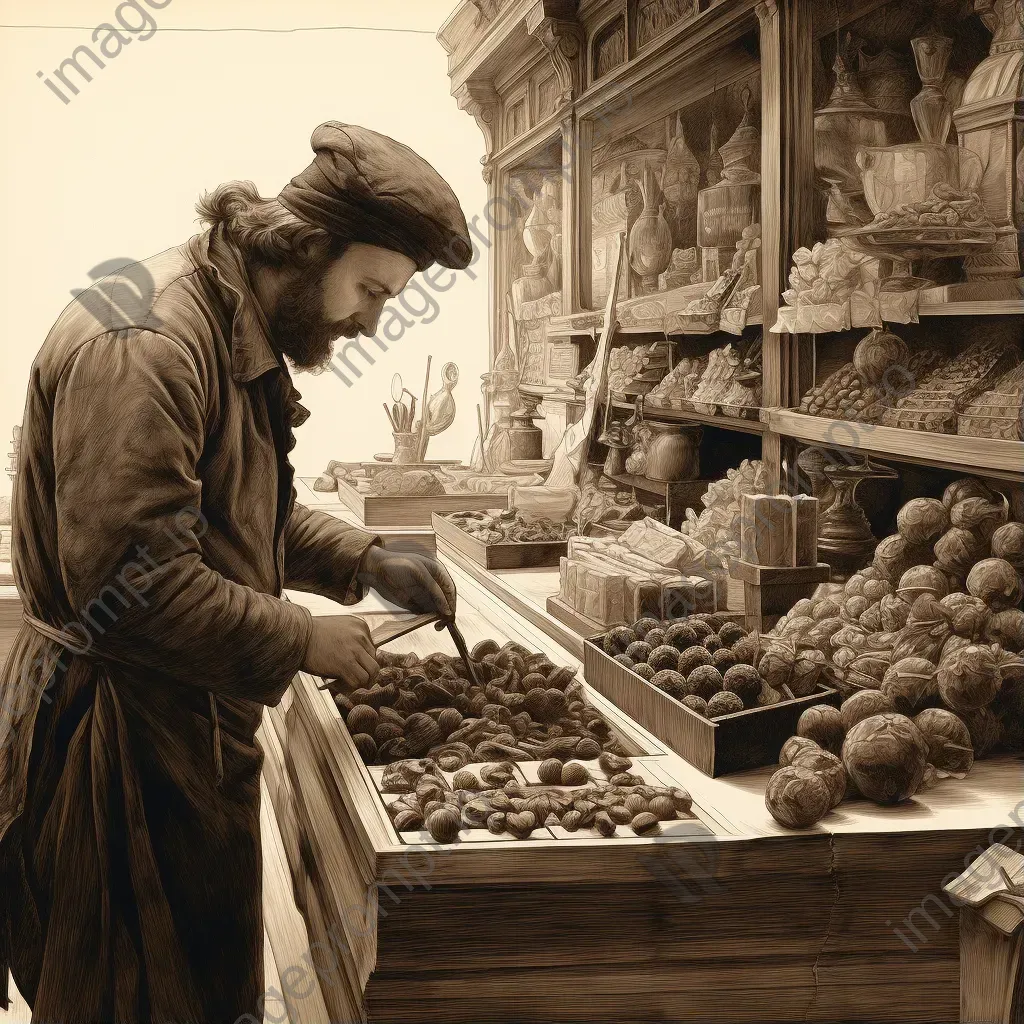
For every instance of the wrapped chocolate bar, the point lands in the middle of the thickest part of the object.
(689, 596)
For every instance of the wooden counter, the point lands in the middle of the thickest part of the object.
(10, 610)
(842, 922)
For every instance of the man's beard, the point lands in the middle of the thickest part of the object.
(299, 327)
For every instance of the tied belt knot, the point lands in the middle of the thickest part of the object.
(70, 642)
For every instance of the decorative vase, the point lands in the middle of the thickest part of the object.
(537, 232)
(728, 207)
(674, 452)
(988, 122)
(681, 178)
(650, 239)
(888, 83)
(526, 440)
(680, 184)
(715, 162)
(933, 116)
(441, 404)
(741, 155)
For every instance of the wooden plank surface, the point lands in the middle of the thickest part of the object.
(985, 799)
(997, 456)
(286, 930)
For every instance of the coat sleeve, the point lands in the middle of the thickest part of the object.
(129, 424)
(322, 555)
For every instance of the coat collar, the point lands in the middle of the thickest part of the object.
(252, 354)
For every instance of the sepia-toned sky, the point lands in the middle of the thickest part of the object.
(117, 170)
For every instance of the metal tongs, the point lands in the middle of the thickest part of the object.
(388, 631)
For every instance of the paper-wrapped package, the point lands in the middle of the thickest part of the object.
(779, 530)
(688, 596)
(606, 592)
(665, 546)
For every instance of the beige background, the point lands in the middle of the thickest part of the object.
(116, 172)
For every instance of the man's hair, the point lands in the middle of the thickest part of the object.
(264, 231)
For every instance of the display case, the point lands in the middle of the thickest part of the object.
(657, 132)
(723, 138)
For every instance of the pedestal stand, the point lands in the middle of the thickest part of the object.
(770, 591)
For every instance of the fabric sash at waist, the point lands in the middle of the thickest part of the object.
(72, 643)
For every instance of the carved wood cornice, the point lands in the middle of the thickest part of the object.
(555, 26)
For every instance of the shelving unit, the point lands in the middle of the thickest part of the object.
(953, 312)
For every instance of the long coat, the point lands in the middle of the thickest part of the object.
(155, 523)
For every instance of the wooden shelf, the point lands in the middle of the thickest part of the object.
(1006, 307)
(655, 327)
(660, 413)
(988, 456)
(932, 303)
(547, 393)
(642, 483)
(986, 298)
(670, 304)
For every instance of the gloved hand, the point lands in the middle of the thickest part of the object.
(413, 582)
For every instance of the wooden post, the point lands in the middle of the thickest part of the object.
(990, 894)
(787, 191)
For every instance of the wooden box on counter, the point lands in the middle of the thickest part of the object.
(412, 510)
(732, 743)
(503, 555)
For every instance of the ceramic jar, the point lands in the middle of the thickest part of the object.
(406, 449)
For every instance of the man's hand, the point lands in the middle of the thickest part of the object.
(413, 582)
(340, 648)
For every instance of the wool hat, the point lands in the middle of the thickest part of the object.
(369, 188)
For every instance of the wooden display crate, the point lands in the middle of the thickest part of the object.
(413, 510)
(362, 884)
(451, 538)
(770, 591)
(732, 743)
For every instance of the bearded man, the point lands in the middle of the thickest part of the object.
(155, 529)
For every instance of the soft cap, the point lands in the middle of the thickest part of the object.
(369, 188)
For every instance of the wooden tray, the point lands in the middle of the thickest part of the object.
(413, 510)
(504, 555)
(733, 743)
